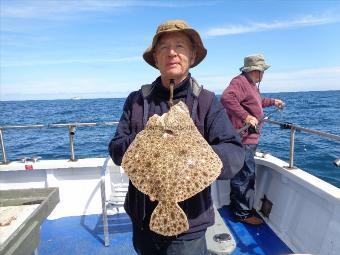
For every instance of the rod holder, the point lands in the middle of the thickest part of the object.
(4, 156)
(291, 149)
(71, 132)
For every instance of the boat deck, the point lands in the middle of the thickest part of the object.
(253, 240)
(84, 235)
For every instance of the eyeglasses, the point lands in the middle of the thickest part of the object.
(179, 48)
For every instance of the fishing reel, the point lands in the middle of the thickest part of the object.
(253, 130)
(249, 129)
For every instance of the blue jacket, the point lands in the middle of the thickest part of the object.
(211, 120)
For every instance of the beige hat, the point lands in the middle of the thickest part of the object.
(254, 62)
(176, 26)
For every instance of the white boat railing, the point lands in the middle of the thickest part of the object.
(72, 127)
(293, 128)
(71, 132)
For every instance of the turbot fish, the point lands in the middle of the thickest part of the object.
(170, 161)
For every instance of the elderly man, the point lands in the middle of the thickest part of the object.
(175, 48)
(243, 103)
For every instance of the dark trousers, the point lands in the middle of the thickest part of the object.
(145, 243)
(242, 185)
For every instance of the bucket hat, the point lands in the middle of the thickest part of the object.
(254, 62)
(171, 26)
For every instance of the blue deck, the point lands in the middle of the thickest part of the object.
(84, 235)
(259, 240)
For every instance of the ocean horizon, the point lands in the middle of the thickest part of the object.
(317, 110)
(106, 95)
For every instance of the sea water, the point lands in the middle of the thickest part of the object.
(313, 110)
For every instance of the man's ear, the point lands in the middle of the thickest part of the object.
(154, 57)
(193, 57)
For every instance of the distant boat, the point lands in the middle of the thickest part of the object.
(76, 98)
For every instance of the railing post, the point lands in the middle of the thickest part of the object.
(291, 150)
(71, 132)
(4, 157)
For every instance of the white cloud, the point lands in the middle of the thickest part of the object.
(315, 79)
(54, 8)
(275, 25)
(69, 61)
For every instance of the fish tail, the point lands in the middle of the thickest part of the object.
(168, 219)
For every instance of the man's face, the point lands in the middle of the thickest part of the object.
(261, 75)
(257, 76)
(174, 55)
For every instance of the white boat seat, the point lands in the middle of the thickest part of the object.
(114, 186)
(118, 194)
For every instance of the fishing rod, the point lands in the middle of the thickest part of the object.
(255, 129)
(250, 128)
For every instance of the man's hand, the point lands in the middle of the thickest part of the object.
(279, 103)
(251, 120)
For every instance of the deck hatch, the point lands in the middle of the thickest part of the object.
(222, 238)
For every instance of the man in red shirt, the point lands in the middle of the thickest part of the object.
(244, 105)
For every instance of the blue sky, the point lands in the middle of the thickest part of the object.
(53, 49)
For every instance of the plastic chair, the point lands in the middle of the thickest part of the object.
(114, 186)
